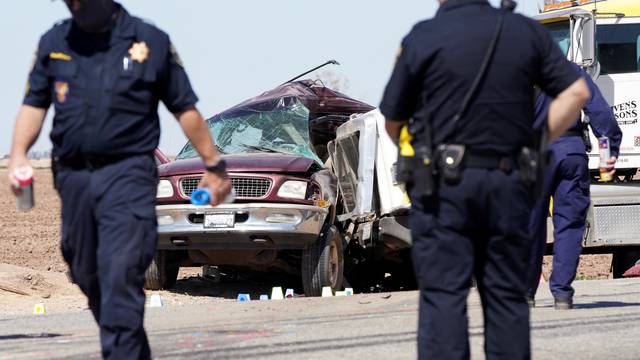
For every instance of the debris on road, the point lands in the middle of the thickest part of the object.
(9, 288)
(26, 282)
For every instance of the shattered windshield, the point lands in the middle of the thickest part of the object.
(279, 126)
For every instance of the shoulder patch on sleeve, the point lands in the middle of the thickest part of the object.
(174, 54)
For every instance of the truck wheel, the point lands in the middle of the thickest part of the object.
(623, 260)
(323, 262)
(161, 274)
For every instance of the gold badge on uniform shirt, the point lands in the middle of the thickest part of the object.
(62, 89)
(139, 52)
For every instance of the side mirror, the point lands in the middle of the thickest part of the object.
(594, 71)
(583, 41)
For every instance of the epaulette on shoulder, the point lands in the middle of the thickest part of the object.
(62, 22)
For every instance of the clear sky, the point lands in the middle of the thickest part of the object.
(234, 50)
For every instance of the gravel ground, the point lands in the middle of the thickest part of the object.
(30, 241)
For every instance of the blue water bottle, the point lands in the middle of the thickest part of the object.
(201, 197)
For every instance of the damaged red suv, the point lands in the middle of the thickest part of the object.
(286, 194)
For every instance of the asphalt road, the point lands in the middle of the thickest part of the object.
(604, 325)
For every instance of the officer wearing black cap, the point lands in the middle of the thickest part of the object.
(464, 83)
(105, 73)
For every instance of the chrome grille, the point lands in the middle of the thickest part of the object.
(244, 187)
(189, 185)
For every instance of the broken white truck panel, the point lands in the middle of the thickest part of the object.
(364, 160)
(354, 167)
(377, 154)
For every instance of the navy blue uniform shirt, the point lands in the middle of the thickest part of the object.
(603, 121)
(105, 88)
(440, 58)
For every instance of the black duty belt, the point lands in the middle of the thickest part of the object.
(89, 162)
(572, 132)
(491, 162)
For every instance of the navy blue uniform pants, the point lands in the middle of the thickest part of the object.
(567, 180)
(477, 227)
(109, 237)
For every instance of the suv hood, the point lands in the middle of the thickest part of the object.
(238, 163)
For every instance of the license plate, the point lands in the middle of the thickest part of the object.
(219, 220)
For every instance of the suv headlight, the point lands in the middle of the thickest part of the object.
(293, 189)
(165, 189)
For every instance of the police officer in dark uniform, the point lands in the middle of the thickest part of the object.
(567, 180)
(473, 219)
(105, 72)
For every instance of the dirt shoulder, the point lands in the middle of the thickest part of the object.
(31, 239)
(31, 262)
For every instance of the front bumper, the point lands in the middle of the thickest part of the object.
(257, 226)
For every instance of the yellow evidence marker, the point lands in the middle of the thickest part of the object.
(38, 309)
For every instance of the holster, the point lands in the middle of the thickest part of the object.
(55, 169)
(418, 172)
(451, 162)
(529, 164)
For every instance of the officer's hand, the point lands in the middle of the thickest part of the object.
(219, 186)
(611, 165)
(15, 163)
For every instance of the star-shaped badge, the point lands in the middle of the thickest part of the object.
(139, 52)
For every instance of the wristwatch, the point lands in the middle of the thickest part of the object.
(219, 168)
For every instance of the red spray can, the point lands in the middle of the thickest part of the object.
(24, 175)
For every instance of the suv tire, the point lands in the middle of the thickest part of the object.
(323, 262)
(161, 274)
